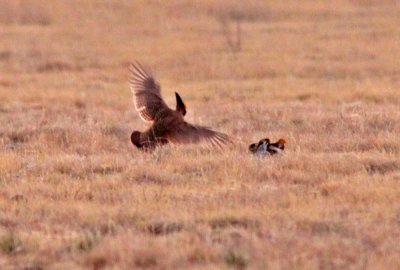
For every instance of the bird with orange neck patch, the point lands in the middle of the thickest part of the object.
(265, 147)
(277, 147)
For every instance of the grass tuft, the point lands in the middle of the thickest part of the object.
(235, 260)
(10, 244)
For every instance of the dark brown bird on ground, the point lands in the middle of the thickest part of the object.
(167, 125)
(264, 147)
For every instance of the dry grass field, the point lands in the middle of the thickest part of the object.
(75, 194)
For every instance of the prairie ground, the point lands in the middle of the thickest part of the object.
(75, 194)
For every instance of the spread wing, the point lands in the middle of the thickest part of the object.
(146, 92)
(186, 133)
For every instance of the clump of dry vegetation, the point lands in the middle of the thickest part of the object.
(74, 193)
(232, 15)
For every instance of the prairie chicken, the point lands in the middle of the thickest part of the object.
(264, 147)
(167, 125)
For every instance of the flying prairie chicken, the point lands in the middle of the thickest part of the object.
(167, 125)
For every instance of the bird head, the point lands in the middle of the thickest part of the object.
(135, 139)
(180, 106)
(253, 147)
(282, 141)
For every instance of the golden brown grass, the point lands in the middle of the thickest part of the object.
(74, 193)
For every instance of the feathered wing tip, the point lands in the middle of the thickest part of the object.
(219, 141)
(139, 72)
(146, 92)
(185, 133)
(141, 79)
